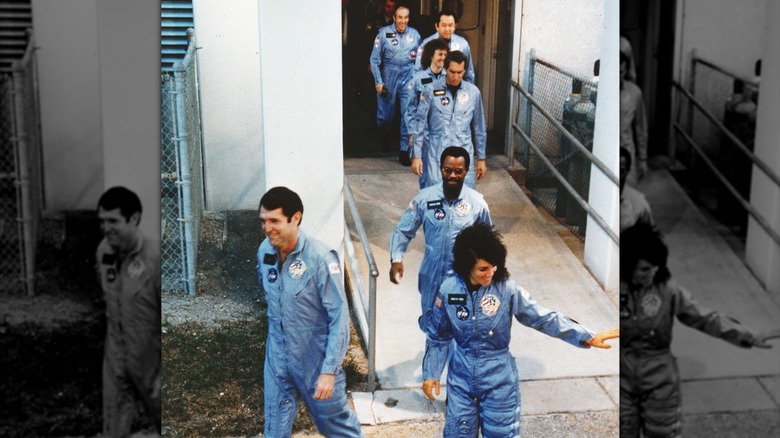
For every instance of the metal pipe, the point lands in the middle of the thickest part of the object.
(745, 204)
(182, 141)
(569, 188)
(374, 273)
(593, 159)
(23, 198)
(562, 70)
(725, 71)
(733, 138)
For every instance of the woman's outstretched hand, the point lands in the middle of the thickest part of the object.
(598, 340)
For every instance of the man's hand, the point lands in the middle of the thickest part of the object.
(417, 166)
(481, 168)
(428, 385)
(598, 340)
(378, 88)
(396, 272)
(761, 338)
(324, 388)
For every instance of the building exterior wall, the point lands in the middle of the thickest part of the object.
(66, 34)
(232, 118)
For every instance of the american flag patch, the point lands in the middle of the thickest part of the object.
(438, 301)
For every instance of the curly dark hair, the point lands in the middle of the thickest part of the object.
(643, 242)
(430, 49)
(479, 241)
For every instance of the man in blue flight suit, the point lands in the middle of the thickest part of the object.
(454, 116)
(308, 323)
(443, 211)
(425, 161)
(445, 29)
(392, 64)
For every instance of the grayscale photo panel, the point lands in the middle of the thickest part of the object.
(699, 219)
(79, 226)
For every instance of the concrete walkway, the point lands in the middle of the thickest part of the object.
(556, 377)
(717, 377)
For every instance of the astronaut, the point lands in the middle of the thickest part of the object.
(649, 302)
(425, 160)
(443, 211)
(308, 323)
(454, 116)
(129, 269)
(392, 64)
(445, 29)
(475, 308)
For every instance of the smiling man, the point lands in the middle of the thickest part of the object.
(443, 211)
(445, 29)
(308, 322)
(129, 269)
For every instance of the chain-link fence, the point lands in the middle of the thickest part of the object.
(571, 99)
(732, 100)
(20, 174)
(182, 189)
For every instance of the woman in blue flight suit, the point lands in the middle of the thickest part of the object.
(475, 308)
(649, 303)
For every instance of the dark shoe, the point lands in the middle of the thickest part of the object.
(403, 158)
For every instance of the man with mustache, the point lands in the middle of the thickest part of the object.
(443, 211)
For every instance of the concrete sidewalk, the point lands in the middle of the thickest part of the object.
(556, 377)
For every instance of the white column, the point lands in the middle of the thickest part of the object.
(300, 86)
(763, 253)
(602, 255)
(129, 62)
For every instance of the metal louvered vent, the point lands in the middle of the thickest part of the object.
(15, 19)
(176, 19)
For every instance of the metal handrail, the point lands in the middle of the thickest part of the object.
(599, 220)
(357, 295)
(745, 204)
(569, 136)
(733, 138)
(695, 59)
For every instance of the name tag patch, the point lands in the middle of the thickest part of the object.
(441, 92)
(432, 205)
(269, 259)
(456, 299)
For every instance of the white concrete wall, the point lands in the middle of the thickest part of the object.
(602, 254)
(129, 60)
(229, 63)
(762, 253)
(66, 34)
(300, 79)
(724, 32)
(567, 33)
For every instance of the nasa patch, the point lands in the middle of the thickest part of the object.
(272, 275)
(394, 42)
(462, 312)
(445, 100)
(439, 214)
(413, 55)
(111, 275)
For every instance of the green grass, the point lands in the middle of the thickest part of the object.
(213, 380)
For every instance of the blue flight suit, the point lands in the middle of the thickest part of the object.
(483, 388)
(410, 99)
(453, 121)
(442, 221)
(649, 379)
(308, 335)
(457, 43)
(132, 356)
(392, 64)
